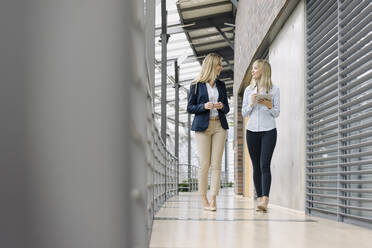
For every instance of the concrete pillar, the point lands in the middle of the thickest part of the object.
(68, 84)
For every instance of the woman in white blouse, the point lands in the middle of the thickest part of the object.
(261, 127)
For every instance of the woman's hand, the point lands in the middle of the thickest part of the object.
(253, 99)
(208, 105)
(266, 102)
(218, 105)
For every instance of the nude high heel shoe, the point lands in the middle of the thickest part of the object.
(259, 201)
(264, 203)
(205, 202)
(212, 204)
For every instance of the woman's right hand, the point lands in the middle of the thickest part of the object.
(208, 105)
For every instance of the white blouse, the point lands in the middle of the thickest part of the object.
(260, 117)
(213, 97)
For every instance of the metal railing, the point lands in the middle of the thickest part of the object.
(190, 183)
(163, 167)
(162, 177)
(224, 181)
(188, 178)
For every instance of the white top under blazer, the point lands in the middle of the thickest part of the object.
(213, 97)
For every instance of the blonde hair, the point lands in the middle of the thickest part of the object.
(265, 79)
(208, 71)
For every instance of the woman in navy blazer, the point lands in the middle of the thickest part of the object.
(208, 101)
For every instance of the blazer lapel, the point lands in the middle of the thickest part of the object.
(218, 85)
(204, 88)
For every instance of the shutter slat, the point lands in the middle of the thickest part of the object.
(339, 109)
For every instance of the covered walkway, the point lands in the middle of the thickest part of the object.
(182, 223)
(96, 144)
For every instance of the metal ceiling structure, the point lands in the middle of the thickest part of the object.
(209, 27)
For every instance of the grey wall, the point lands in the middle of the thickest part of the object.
(76, 66)
(13, 89)
(67, 73)
(286, 56)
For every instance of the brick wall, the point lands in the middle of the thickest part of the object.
(238, 145)
(253, 22)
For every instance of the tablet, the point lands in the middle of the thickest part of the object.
(264, 96)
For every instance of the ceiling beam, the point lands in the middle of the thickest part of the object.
(198, 7)
(226, 52)
(226, 74)
(210, 35)
(172, 29)
(235, 3)
(227, 62)
(209, 43)
(228, 15)
(206, 22)
(226, 38)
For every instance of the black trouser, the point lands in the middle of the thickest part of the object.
(261, 147)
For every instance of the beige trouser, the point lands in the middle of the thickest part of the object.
(210, 143)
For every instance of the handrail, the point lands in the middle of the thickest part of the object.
(188, 178)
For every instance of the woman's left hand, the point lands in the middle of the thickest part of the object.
(266, 102)
(218, 105)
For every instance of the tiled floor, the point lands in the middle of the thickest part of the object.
(182, 223)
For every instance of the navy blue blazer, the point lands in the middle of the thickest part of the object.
(196, 103)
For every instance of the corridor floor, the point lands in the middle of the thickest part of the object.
(182, 223)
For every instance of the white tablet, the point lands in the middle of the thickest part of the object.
(264, 96)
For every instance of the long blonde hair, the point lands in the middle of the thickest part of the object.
(208, 71)
(265, 79)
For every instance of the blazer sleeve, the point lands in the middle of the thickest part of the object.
(226, 108)
(192, 106)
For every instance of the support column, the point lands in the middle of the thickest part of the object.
(189, 147)
(227, 161)
(176, 117)
(164, 71)
(163, 128)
